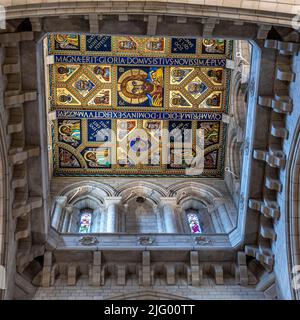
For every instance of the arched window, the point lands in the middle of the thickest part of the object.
(85, 221)
(193, 221)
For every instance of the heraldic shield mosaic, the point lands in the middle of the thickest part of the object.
(114, 96)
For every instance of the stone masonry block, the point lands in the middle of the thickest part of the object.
(218, 273)
(97, 258)
(121, 275)
(73, 272)
(241, 258)
(170, 274)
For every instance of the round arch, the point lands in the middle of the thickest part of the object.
(206, 193)
(213, 200)
(79, 189)
(150, 190)
(75, 197)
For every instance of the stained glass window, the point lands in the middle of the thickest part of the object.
(193, 221)
(85, 222)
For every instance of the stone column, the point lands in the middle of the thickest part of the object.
(103, 219)
(223, 215)
(215, 222)
(60, 202)
(73, 225)
(67, 217)
(169, 205)
(112, 213)
(159, 221)
(96, 223)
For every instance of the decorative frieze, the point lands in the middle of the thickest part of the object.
(145, 240)
(202, 240)
(88, 240)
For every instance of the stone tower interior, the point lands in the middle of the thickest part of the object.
(149, 150)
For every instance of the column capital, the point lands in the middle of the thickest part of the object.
(112, 214)
(172, 201)
(218, 201)
(69, 208)
(112, 200)
(216, 204)
(169, 204)
(61, 200)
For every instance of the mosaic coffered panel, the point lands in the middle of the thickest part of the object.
(98, 83)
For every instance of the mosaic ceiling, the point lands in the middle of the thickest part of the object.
(105, 89)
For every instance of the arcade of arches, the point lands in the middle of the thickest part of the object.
(104, 110)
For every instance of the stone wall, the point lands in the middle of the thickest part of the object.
(284, 245)
(140, 219)
(280, 105)
(237, 120)
(267, 234)
(160, 290)
(278, 12)
(213, 194)
(22, 203)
